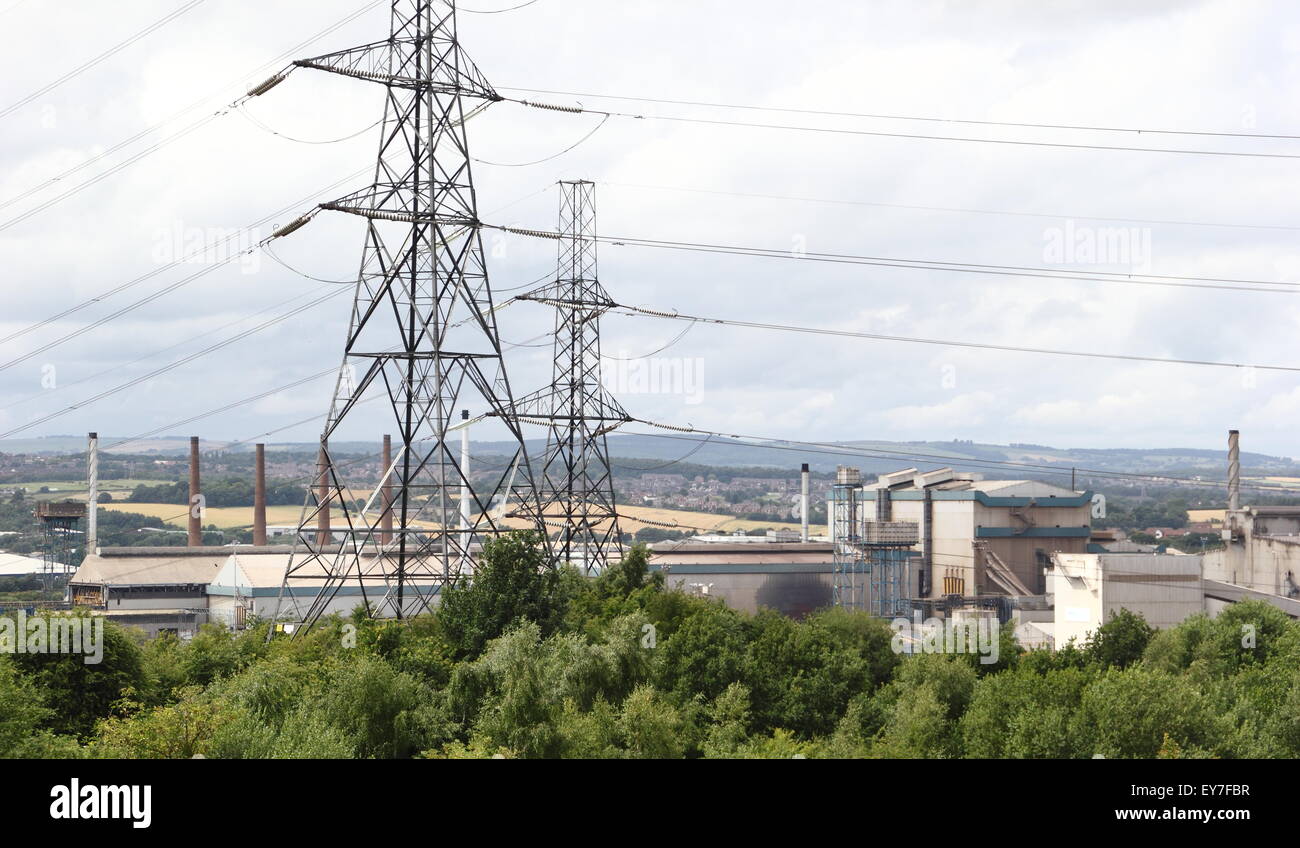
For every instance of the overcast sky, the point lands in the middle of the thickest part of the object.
(1217, 66)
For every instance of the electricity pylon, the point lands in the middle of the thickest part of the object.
(423, 337)
(577, 490)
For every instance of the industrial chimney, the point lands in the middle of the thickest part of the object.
(803, 502)
(259, 497)
(386, 520)
(1234, 471)
(323, 500)
(196, 497)
(92, 495)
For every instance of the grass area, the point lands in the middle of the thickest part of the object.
(239, 517)
(1199, 515)
(75, 489)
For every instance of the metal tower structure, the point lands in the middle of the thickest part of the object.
(423, 337)
(871, 558)
(59, 523)
(577, 489)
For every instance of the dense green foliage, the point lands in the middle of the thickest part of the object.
(527, 662)
(223, 491)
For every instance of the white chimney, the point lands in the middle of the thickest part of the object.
(803, 502)
(1234, 472)
(92, 495)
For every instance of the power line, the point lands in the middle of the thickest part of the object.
(135, 381)
(117, 48)
(573, 146)
(898, 117)
(1036, 272)
(226, 408)
(912, 136)
(63, 386)
(826, 331)
(954, 209)
(495, 11)
(100, 177)
(193, 254)
(190, 108)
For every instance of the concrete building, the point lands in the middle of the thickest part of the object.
(793, 578)
(1089, 589)
(156, 589)
(981, 537)
(249, 585)
(179, 589)
(1262, 550)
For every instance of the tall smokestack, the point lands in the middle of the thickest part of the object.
(196, 497)
(386, 520)
(259, 497)
(803, 502)
(1234, 472)
(323, 499)
(92, 495)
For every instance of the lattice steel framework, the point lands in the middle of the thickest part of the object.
(848, 576)
(871, 559)
(423, 337)
(60, 541)
(577, 489)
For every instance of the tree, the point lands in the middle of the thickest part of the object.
(705, 655)
(78, 693)
(1121, 641)
(513, 582)
(21, 709)
(1130, 712)
(800, 678)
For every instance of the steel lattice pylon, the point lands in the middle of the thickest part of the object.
(577, 491)
(422, 336)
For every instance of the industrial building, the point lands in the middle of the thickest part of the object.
(982, 537)
(1089, 589)
(793, 578)
(156, 589)
(179, 589)
(1262, 543)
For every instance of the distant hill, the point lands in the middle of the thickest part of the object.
(870, 456)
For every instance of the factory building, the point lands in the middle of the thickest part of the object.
(179, 589)
(156, 589)
(983, 537)
(1262, 550)
(1088, 590)
(1262, 543)
(793, 578)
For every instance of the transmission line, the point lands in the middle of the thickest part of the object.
(1035, 272)
(203, 121)
(826, 331)
(954, 209)
(911, 136)
(117, 48)
(898, 117)
(193, 254)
